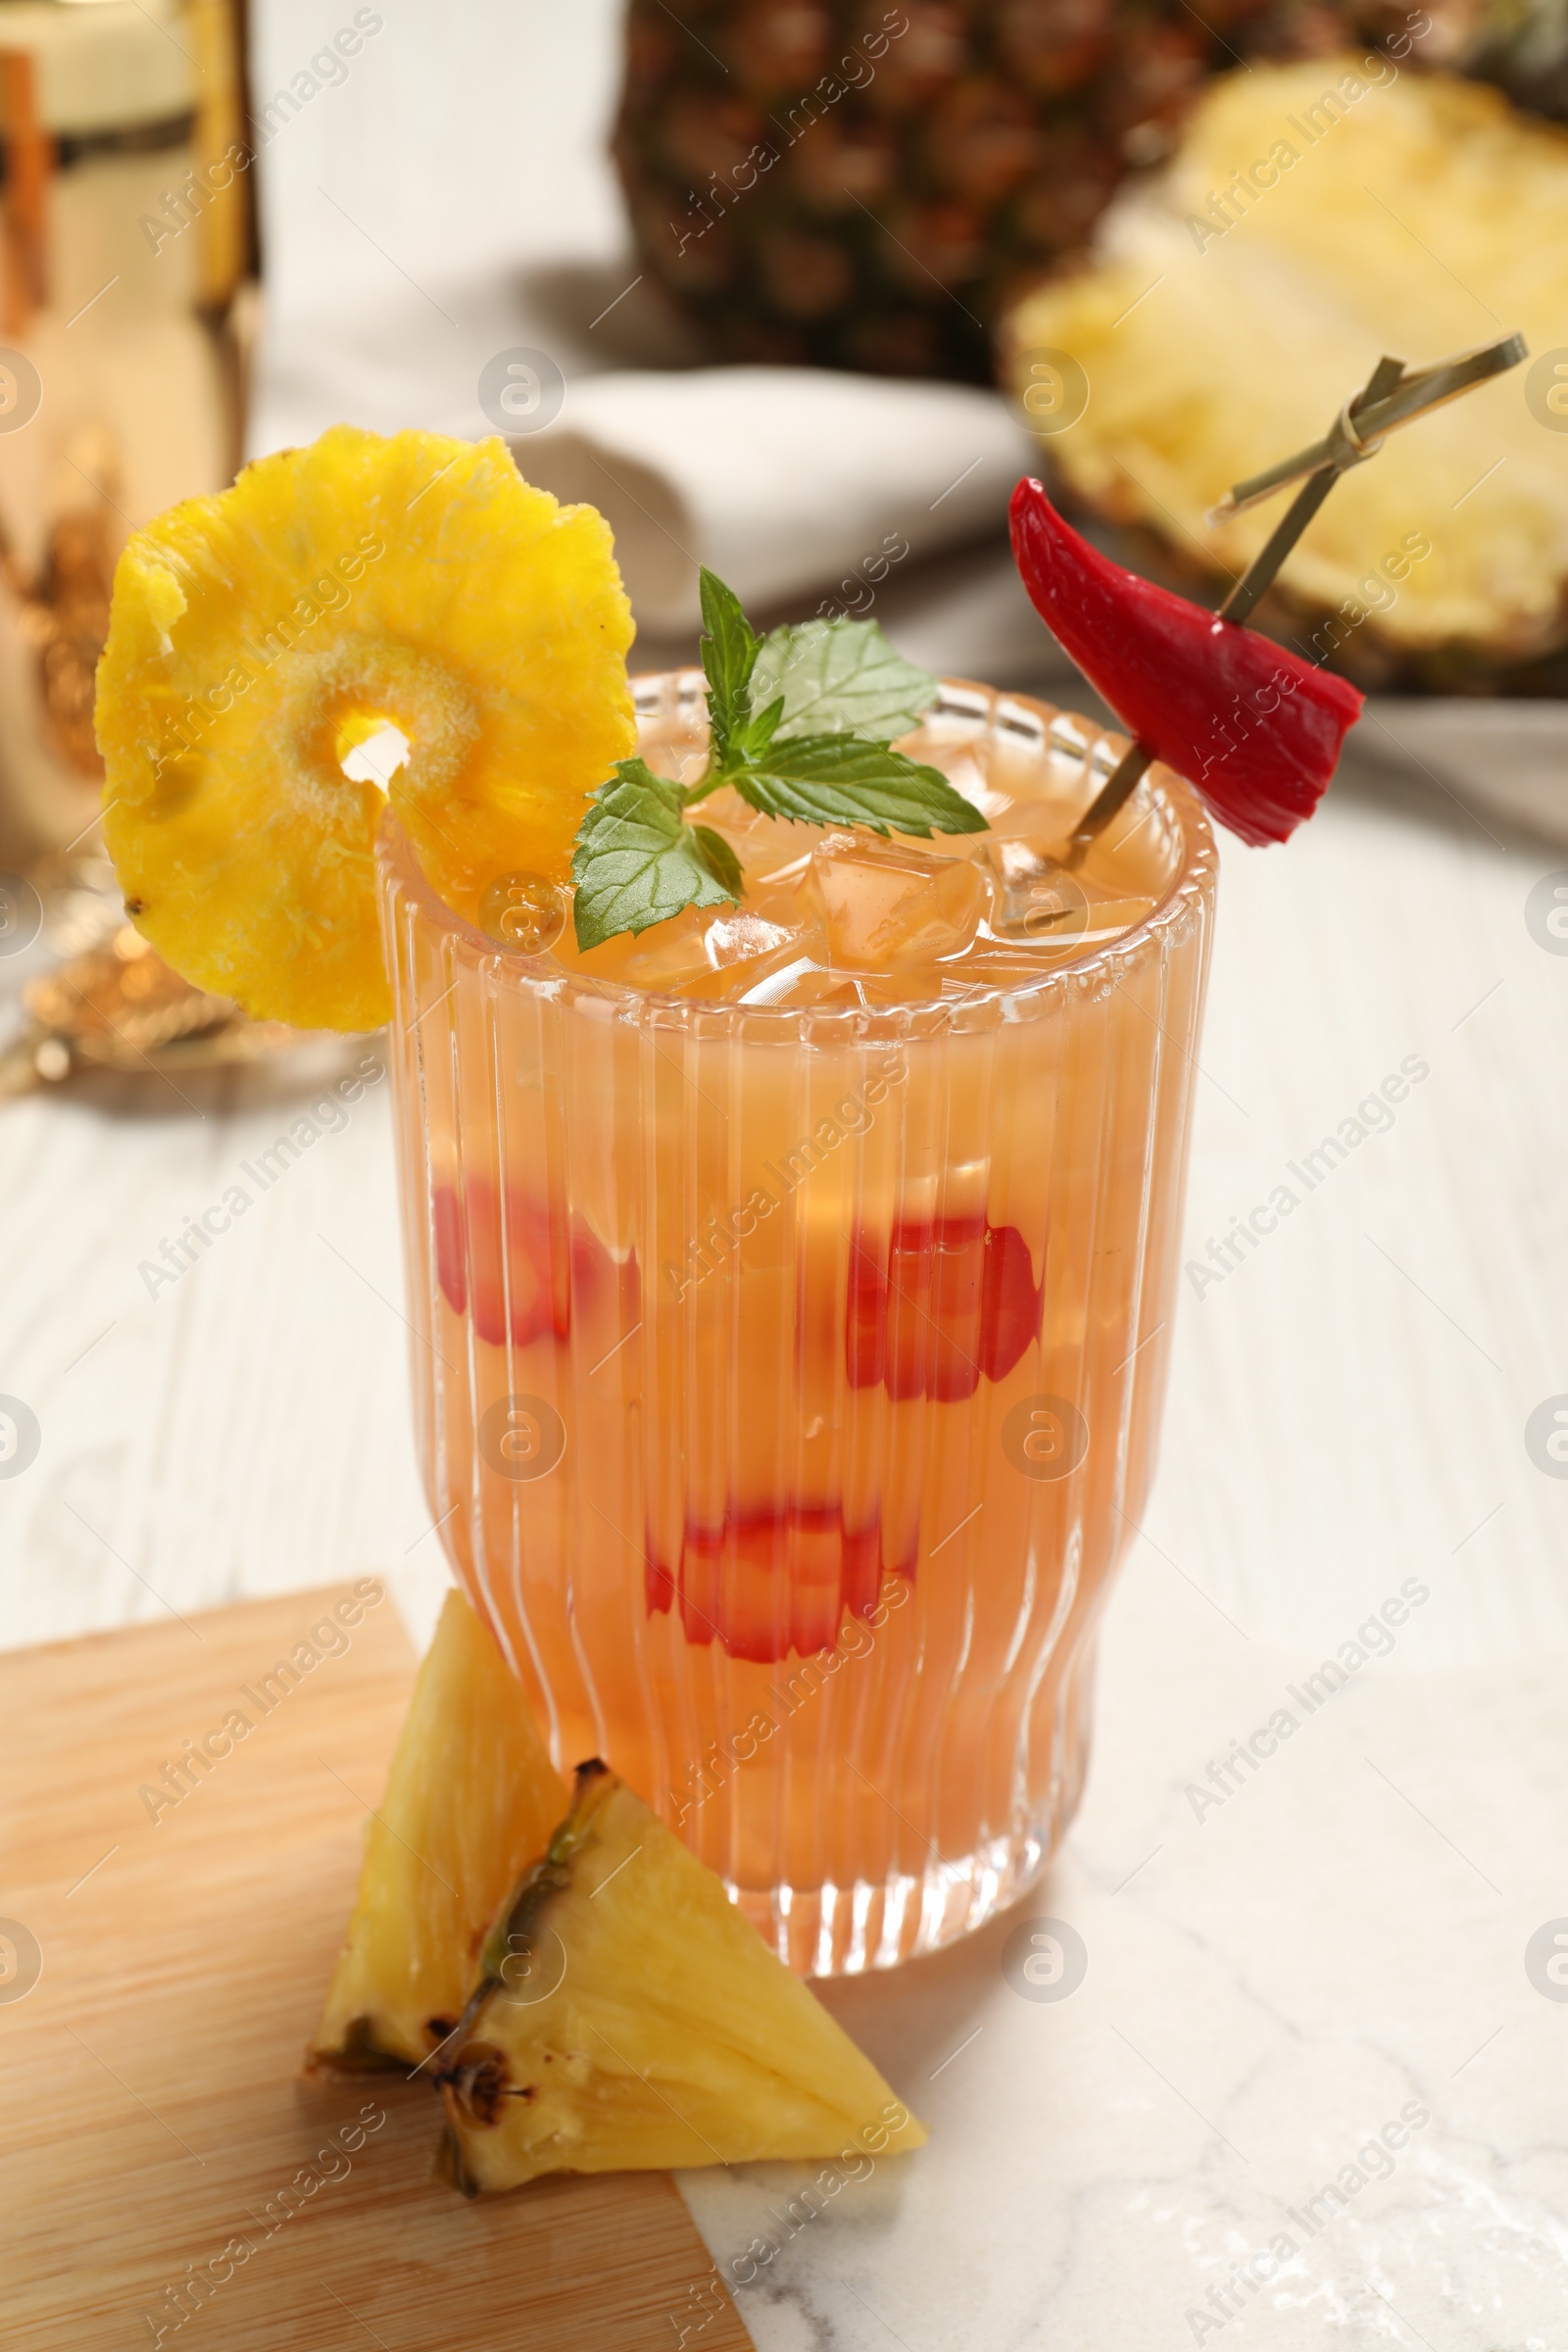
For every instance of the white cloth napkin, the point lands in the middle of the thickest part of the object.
(794, 484)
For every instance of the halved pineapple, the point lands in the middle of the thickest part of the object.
(1315, 217)
(471, 1802)
(627, 2016)
(261, 638)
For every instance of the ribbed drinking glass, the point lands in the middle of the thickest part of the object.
(787, 1379)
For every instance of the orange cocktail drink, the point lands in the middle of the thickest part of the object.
(792, 1288)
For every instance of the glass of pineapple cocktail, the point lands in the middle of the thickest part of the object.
(792, 1284)
(793, 1084)
(793, 1068)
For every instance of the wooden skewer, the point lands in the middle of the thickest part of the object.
(1394, 397)
(1391, 396)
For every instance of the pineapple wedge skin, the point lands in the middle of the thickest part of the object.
(259, 636)
(627, 2017)
(1211, 352)
(471, 1802)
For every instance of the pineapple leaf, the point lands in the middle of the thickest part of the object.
(841, 677)
(638, 863)
(836, 780)
(730, 657)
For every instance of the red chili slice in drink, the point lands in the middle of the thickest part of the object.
(866, 1316)
(506, 1259)
(766, 1583)
(954, 1256)
(1009, 1313)
(908, 1313)
(1253, 728)
(954, 1298)
(863, 1569)
(450, 1264)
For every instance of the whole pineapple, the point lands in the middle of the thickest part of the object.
(860, 184)
(1522, 45)
(869, 183)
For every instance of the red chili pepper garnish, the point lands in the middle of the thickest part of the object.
(1255, 729)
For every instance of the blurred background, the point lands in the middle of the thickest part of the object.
(798, 288)
(611, 235)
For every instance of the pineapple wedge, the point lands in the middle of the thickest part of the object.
(1315, 217)
(471, 1802)
(627, 2016)
(623, 2014)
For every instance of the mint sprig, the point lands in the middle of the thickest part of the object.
(818, 752)
(637, 861)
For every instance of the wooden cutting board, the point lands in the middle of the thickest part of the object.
(152, 2104)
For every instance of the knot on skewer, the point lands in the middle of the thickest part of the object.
(1347, 446)
(1393, 395)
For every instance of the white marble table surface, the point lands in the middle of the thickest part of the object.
(1267, 1986)
(1304, 2093)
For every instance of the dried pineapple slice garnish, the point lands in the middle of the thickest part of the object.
(258, 638)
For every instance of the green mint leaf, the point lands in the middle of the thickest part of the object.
(729, 656)
(834, 780)
(720, 859)
(761, 731)
(841, 677)
(636, 862)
